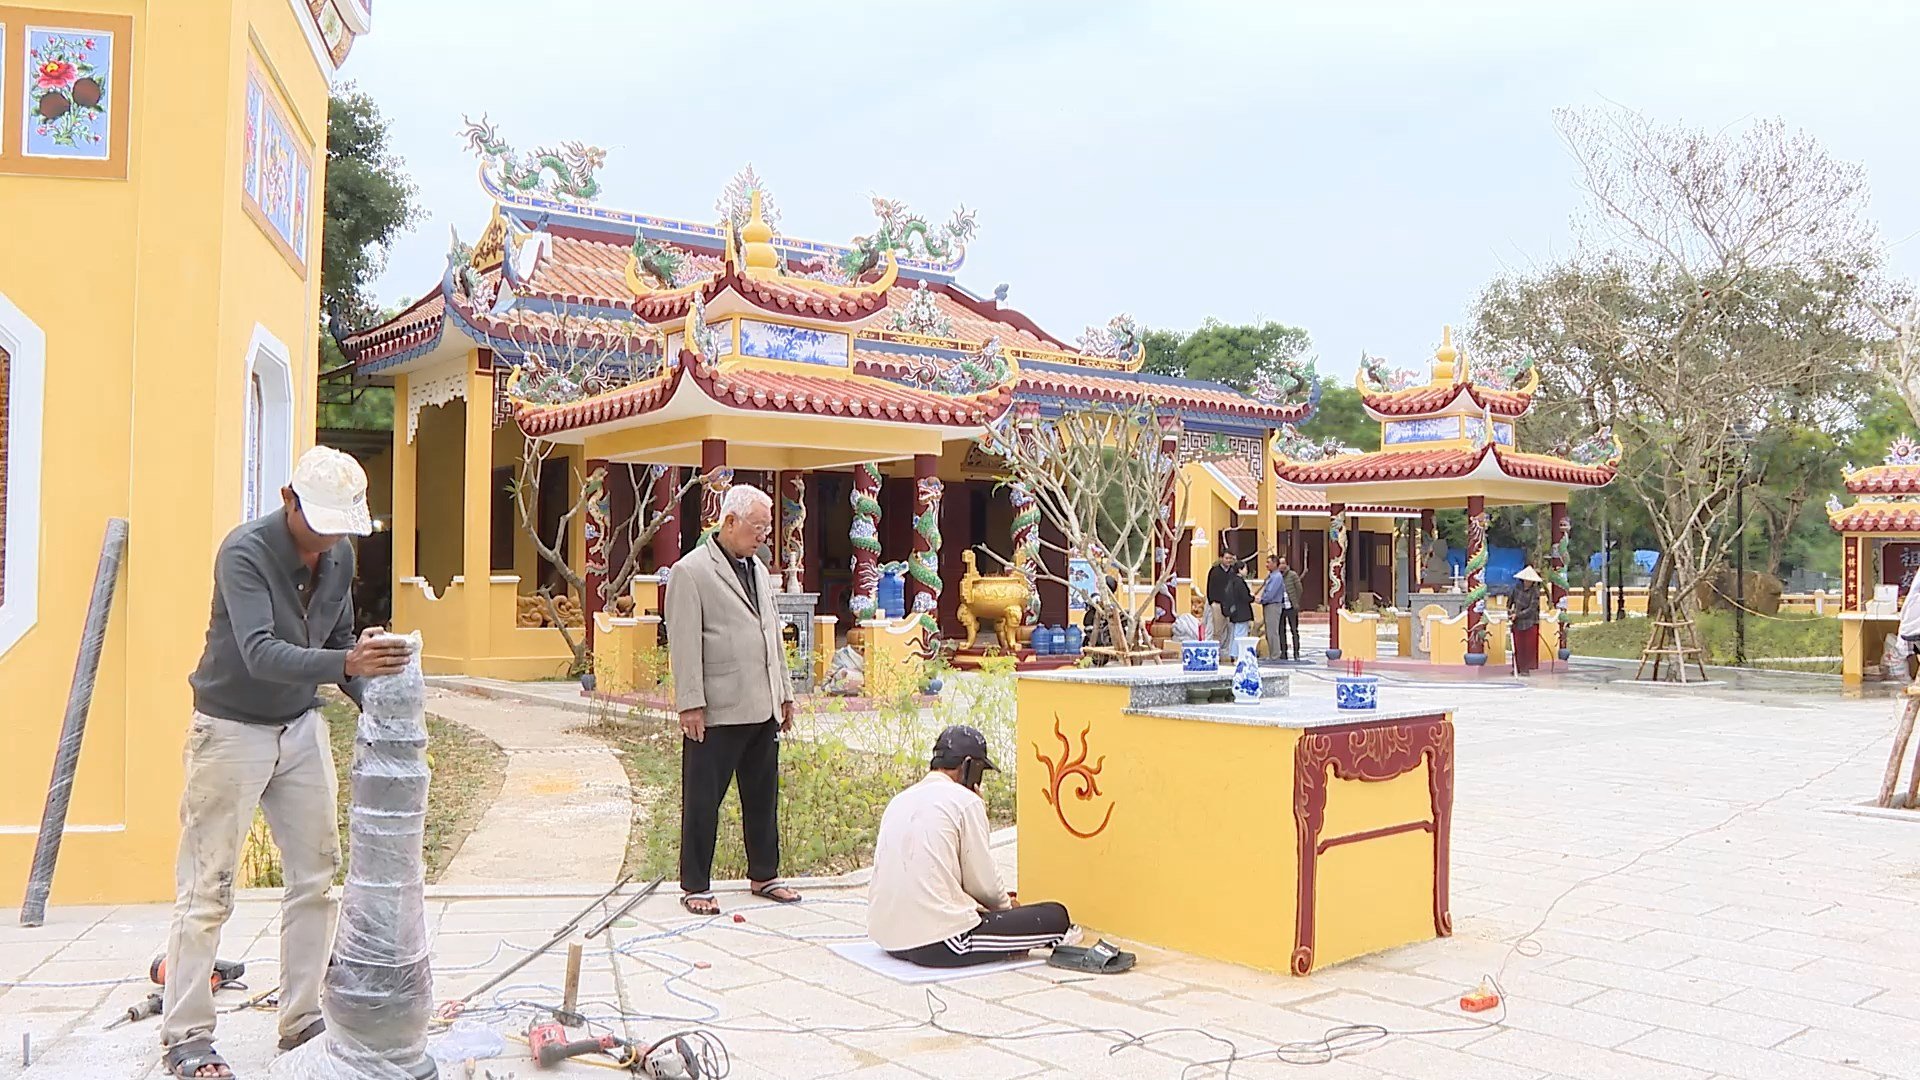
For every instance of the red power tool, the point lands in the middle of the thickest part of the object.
(550, 1045)
(225, 972)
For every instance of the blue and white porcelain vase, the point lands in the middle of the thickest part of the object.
(1246, 674)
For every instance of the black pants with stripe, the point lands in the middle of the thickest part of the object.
(1001, 935)
(750, 752)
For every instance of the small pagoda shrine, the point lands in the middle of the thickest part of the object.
(1449, 442)
(1879, 552)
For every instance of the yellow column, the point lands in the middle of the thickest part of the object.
(477, 510)
(406, 471)
(1269, 497)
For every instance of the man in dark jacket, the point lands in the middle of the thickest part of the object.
(1230, 599)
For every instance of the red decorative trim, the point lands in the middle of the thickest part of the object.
(1885, 480)
(1375, 834)
(1429, 399)
(1440, 465)
(1371, 753)
(1869, 517)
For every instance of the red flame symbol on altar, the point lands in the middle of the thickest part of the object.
(1086, 785)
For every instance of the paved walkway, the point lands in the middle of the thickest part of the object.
(564, 810)
(1669, 888)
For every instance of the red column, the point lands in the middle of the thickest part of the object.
(666, 508)
(1476, 579)
(1562, 528)
(1165, 530)
(1336, 574)
(923, 567)
(596, 529)
(713, 463)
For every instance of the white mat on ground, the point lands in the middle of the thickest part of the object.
(875, 959)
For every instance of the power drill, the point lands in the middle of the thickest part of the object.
(226, 973)
(550, 1046)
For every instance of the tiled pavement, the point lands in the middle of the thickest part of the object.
(1703, 910)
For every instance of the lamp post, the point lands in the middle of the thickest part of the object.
(1745, 434)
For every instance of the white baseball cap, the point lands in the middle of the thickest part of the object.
(333, 492)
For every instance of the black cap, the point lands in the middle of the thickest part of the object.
(958, 743)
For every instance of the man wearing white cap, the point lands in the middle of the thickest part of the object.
(282, 625)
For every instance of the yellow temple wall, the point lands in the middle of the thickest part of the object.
(153, 293)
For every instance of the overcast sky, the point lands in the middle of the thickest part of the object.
(1357, 168)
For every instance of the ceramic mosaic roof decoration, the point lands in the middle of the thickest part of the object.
(1458, 425)
(1239, 477)
(1888, 494)
(881, 326)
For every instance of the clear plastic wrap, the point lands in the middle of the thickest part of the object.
(379, 988)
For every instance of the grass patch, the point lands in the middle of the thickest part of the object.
(837, 773)
(467, 773)
(1770, 638)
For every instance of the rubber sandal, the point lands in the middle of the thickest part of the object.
(1099, 959)
(687, 900)
(306, 1035)
(765, 892)
(186, 1059)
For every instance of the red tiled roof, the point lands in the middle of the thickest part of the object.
(1289, 498)
(1885, 480)
(1418, 400)
(1877, 517)
(1440, 464)
(819, 395)
(1091, 385)
(829, 303)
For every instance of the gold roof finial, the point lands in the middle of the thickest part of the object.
(1444, 358)
(757, 243)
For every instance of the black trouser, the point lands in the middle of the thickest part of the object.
(707, 769)
(1001, 935)
(1291, 617)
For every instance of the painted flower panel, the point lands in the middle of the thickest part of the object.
(67, 95)
(250, 169)
(1426, 429)
(774, 341)
(277, 173)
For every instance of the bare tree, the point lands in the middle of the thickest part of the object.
(1100, 477)
(1898, 357)
(1716, 293)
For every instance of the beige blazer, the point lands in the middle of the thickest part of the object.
(725, 658)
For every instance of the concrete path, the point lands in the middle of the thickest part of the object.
(1669, 887)
(565, 809)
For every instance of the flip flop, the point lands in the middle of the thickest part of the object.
(765, 892)
(185, 1060)
(1099, 959)
(306, 1035)
(687, 900)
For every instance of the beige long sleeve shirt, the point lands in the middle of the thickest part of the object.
(932, 869)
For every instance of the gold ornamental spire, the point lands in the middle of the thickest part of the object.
(1443, 359)
(756, 242)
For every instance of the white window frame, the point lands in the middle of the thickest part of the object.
(26, 346)
(268, 358)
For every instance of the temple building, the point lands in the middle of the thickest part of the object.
(160, 215)
(851, 381)
(1449, 442)
(1879, 553)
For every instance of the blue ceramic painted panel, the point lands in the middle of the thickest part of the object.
(1429, 429)
(773, 341)
(71, 90)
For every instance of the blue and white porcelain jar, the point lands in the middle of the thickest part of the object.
(1356, 691)
(1200, 656)
(1246, 674)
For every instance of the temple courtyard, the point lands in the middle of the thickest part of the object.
(1667, 884)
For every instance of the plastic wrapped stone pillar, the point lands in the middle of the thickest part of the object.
(379, 988)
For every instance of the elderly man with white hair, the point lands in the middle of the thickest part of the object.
(731, 688)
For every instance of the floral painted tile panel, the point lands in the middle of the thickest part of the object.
(68, 93)
(776, 341)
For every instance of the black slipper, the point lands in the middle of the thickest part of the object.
(307, 1034)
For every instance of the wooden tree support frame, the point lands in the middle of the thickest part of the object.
(1909, 710)
(1666, 647)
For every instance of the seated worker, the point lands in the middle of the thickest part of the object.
(936, 898)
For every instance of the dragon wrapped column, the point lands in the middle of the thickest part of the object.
(923, 567)
(1336, 574)
(1026, 547)
(1476, 579)
(865, 538)
(596, 531)
(793, 526)
(713, 462)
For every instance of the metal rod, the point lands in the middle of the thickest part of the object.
(561, 935)
(73, 729)
(626, 907)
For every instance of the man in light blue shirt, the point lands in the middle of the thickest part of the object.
(1279, 602)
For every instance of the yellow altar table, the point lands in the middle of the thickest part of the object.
(1285, 834)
